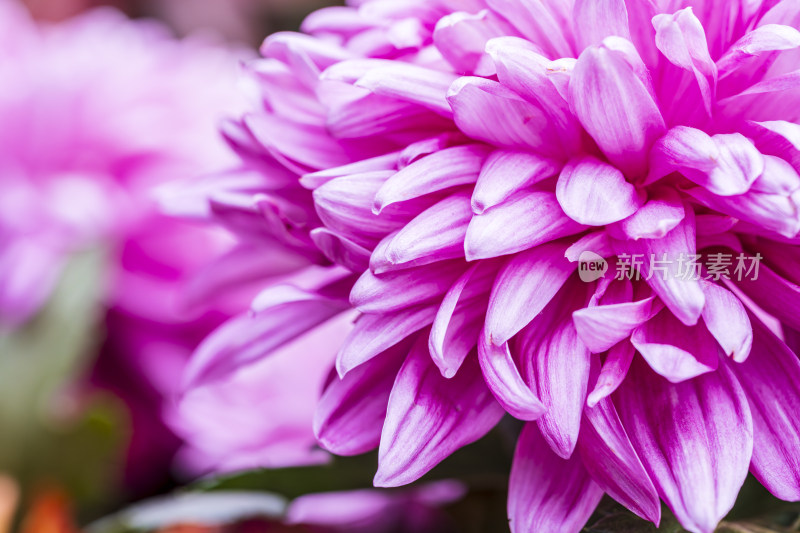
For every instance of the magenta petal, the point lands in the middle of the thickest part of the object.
(524, 286)
(527, 219)
(611, 460)
(504, 173)
(429, 417)
(546, 23)
(521, 68)
(725, 164)
(345, 206)
(374, 334)
(434, 235)
(397, 290)
(477, 103)
(410, 83)
(352, 409)
(684, 297)
(661, 214)
(545, 492)
(778, 138)
(771, 379)
(460, 317)
(594, 20)
(726, 318)
(340, 250)
(601, 327)
(562, 363)
(504, 379)
(440, 170)
(614, 101)
(615, 368)
(595, 193)
(461, 38)
(251, 336)
(694, 438)
(774, 294)
(676, 351)
(682, 40)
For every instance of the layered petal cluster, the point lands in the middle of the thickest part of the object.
(466, 158)
(94, 113)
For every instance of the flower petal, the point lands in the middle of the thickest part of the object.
(429, 417)
(602, 326)
(505, 172)
(595, 193)
(611, 460)
(613, 99)
(352, 409)
(726, 318)
(725, 164)
(546, 492)
(676, 351)
(503, 378)
(374, 334)
(524, 286)
(477, 102)
(615, 368)
(527, 219)
(694, 438)
(459, 165)
(771, 379)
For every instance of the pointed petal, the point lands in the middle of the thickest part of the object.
(725, 164)
(683, 295)
(545, 492)
(694, 438)
(477, 102)
(611, 460)
(771, 379)
(506, 172)
(460, 318)
(601, 327)
(527, 219)
(524, 286)
(251, 336)
(681, 38)
(726, 318)
(440, 170)
(397, 290)
(562, 365)
(352, 409)
(340, 250)
(503, 378)
(676, 351)
(613, 99)
(429, 417)
(615, 368)
(595, 193)
(434, 235)
(374, 334)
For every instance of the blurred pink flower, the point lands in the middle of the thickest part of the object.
(94, 113)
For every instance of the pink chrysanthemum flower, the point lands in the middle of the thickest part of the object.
(473, 162)
(95, 112)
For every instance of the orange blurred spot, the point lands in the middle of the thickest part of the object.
(50, 513)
